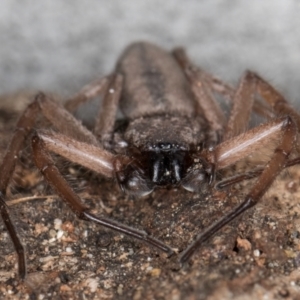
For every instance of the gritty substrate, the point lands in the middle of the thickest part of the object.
(255, 257)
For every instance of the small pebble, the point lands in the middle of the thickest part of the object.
(59, 234)
(57, 224)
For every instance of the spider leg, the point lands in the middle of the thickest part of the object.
(14, 237)
(275, 102)
(215, 84)
(64, 122)
(106, 118)
(24, 125)
(57, 115)
(97, 159)
(287, 130)
(243, 103)
(250, 83)
(262, 137)
(250, 175)
(238, 178)
(204, 83)
(85, 154)
(89, 91)
(110, 88)
(208, 105)
(227, 91)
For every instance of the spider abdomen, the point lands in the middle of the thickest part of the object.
(153, 83)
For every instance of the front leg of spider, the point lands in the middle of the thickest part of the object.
(93, 158)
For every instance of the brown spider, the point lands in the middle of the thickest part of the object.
(175, 134)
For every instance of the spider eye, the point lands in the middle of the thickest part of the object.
(133, 182)
(195, 181)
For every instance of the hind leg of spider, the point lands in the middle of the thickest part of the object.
(243, 98)
(287, 131)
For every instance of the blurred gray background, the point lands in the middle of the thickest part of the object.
(59, 46)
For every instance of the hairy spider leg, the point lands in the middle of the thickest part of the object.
(110, 88)
(91, 157)
(89, 91)
(66, 123)
(287, 129)
(206, 102)
(106, 118)
(214, 84)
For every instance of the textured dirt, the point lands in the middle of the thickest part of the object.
(255, 257)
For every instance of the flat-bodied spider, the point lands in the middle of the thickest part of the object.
(175, 134)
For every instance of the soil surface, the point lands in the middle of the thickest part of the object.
(257, 256)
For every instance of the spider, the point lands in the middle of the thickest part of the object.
(174, 134)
